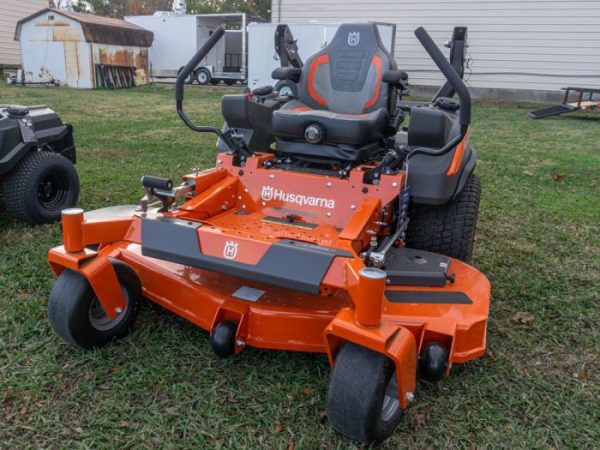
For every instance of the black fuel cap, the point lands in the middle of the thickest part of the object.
(17, 111)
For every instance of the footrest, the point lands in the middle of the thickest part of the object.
(409, 267)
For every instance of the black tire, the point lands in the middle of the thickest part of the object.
(229, 82)
(362, 395)
(286, 89)
(214, 81)
(222, 338)
(76, 315)
(448, 229)
(433, 361)
(41, 185)
(203, 76)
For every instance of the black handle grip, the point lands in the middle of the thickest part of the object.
(191, 65)
(162, 184)
(453, 78)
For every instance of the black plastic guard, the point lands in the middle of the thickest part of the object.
(290, 264)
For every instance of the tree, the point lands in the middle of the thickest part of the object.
(121, 8)
(116, 8)
(257, 7)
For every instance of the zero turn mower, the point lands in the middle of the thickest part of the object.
(37, 154)
(297, 238)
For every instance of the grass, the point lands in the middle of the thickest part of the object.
(538, 241)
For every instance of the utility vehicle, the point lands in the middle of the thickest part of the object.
(37, 154)
(298, 238)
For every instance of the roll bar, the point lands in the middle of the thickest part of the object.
(453, 78)
(234, 140)
(457, 84)
(185, 73)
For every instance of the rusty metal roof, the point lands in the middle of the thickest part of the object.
(104, 30)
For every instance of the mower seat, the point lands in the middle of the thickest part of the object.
(343, 103)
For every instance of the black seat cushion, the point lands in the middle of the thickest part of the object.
(325, 152)
(356, 129)
(341, 89)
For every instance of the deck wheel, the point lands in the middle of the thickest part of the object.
(362, 395)
(77, 316)
(222, 338)
(433, 361)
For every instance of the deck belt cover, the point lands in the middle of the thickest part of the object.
(290, 264)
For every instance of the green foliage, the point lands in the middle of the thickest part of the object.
(260, 8)
(121, 8)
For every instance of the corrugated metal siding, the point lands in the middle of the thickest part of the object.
(527, 44)
(11, 11)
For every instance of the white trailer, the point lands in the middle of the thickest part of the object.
(178, 36)
(311, 37)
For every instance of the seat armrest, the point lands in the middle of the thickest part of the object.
(396, 78)
(287, 73)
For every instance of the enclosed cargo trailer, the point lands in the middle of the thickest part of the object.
(177, 37)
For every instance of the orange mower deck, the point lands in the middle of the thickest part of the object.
(237, 218)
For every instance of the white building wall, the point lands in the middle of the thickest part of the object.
(11, 11)
(526, 44)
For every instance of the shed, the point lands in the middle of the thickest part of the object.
(526, 49)
(81, 50)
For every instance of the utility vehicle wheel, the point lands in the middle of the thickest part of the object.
(40, 187)
(229, 82)
(433, 361)
(448, 229)
(286, 89)
(214, 81)
(189, 79)
(362, 396)
(77, 316)
(222, 338)
(203, 76)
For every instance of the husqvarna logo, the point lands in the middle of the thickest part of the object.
(353, 38)
(269, 193)
(230, 250)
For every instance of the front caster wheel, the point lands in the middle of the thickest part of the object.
(222, 338)
(433, 361)
(362, 396)
(77, 316)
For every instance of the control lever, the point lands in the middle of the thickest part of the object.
(161, 189)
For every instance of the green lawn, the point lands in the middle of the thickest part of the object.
(538, 241)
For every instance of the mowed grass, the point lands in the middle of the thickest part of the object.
(538, 241)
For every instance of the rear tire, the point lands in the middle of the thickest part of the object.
(76, 315)
(41, 185)
(362, 395)
(448, 229)
(229, 82)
